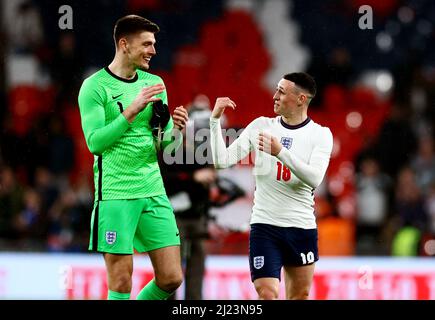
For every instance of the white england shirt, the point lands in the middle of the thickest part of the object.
(284, 193)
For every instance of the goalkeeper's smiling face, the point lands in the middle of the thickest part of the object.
(140, 50)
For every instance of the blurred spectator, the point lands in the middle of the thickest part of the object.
(422, 93)
(188, 187)
(412, 218)
(36, 147)
(405, 74)
(46, 188)
(11, 144)
(30, 224)
(406, 242)
(428, 86)
(423, 163)
(11, 203)
(430, 207)
(340, 67)
(84, 192)
(48, 145)
(372, 207)
(396, 142)
(66, 69)
(409, 201)
(67, 211)
(61, 148)
(25, 32)
(68, 225)
(335, 69)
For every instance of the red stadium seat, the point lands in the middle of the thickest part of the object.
(335, 98)
(26, 103)
(215, 70)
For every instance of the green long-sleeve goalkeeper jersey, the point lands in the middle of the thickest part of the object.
(125, 156)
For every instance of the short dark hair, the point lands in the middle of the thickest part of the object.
(131, 24)
(304, 81)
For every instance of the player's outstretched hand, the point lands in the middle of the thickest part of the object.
(220, 105)
(180, 117)
(269, 144)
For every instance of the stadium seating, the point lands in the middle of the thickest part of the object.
(26, 103)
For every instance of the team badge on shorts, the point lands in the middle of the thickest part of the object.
(258, 262)
(286, 142)
(110, 237)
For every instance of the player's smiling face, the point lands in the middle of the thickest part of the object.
(285, 98)
(141, 49)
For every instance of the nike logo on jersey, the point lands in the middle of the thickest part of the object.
(116, 97)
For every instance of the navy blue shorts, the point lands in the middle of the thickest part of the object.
(272, 247)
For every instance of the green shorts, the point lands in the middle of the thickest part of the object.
(118, 226)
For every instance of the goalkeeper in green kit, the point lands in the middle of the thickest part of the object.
(125, 121)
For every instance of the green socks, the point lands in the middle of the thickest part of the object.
(112, 295)
(152, 292)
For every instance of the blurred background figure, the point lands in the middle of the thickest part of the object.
(193, 187)
(397, 141)
(336, 69)
(430, 207)
(11, 203)
(372, 188)
(423, 163)
(410, 215)
(25, 30)
(188, 185)
(65, 69)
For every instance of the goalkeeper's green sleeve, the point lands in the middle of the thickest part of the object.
(98, 135)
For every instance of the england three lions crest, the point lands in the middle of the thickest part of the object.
(258, 262)
(286, 142)
(110, 237)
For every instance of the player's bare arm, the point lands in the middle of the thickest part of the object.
(220, 105)
(144, 97)
(268, 143)
(180, 117)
